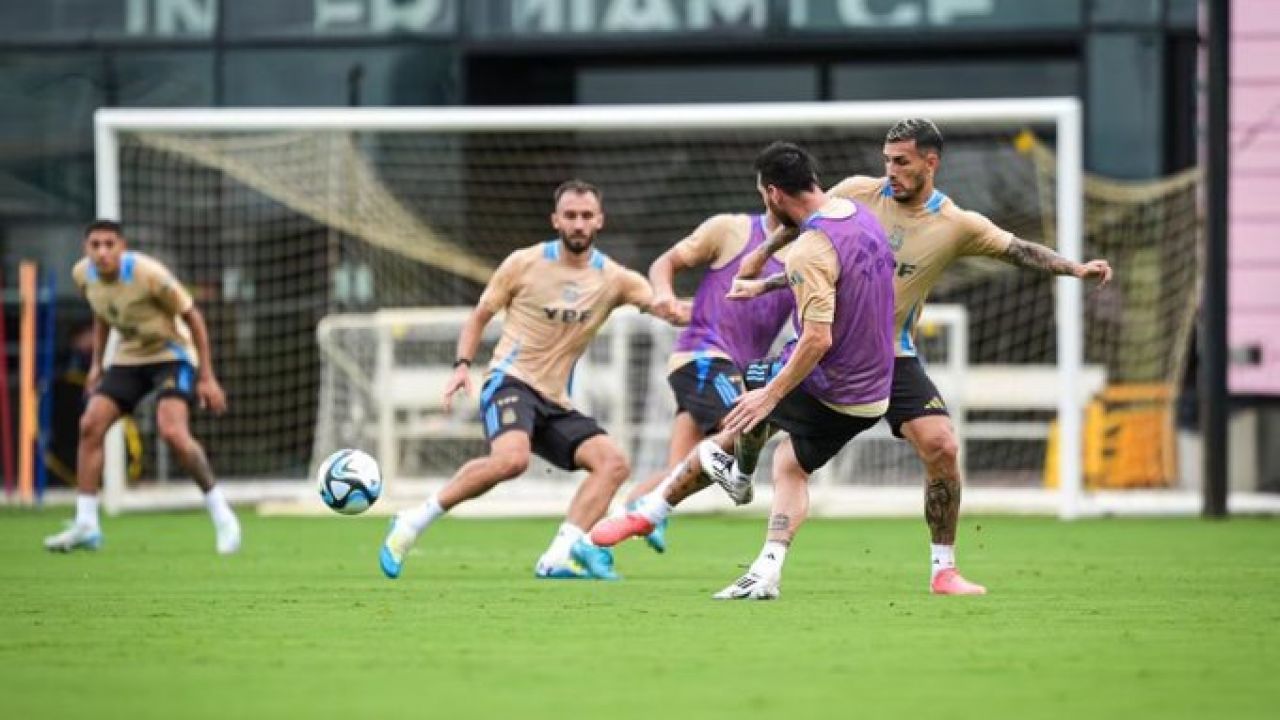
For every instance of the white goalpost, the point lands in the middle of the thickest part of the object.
(370, 231)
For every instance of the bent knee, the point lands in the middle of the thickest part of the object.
(617, 468)
(940, 448)
(176, 436)
(91, 428)
(510, 465)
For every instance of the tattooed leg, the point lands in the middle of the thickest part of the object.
(790, 495)
(935, 442)
(942, 509)
(747, 450)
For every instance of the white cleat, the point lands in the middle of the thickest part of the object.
(752, 586)
(74, 537)
(722, 468)
(228, 536)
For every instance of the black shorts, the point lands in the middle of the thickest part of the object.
(127, 385)
(817, 432)
(706, 388)
(554, 432)
(913, 395)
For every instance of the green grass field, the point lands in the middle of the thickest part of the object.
(1105, 619)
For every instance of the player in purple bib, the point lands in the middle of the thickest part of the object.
(705, 370)
(829, 385)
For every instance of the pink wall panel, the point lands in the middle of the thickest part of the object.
(1254, 304)
(1255, 287)
(1255, 243)
(1262, 377)
(1255, 195)
(1255, 17)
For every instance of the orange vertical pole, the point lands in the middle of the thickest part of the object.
(27, 382)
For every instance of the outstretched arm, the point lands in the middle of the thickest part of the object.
(1038, 258)
(637, 291)
(745, 289)
(753, 263)
(662, 277)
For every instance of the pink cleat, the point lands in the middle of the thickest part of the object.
(951, 582)
(611, 531)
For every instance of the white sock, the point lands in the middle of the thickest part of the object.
(558, 552)
(944, 557)
(654, 507)
(419, 518)
(769, 562)
(87, 511)
(219, 509)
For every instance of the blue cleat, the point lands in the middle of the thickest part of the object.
(394, 548)
(597, 561)
(658, 538)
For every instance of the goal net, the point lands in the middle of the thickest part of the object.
(335, 253)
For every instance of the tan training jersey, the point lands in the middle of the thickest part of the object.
(144, 303)
(925, 240)
(553, 312)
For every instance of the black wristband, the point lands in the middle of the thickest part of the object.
(462, 361)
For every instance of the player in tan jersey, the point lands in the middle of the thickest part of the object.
(927, 232)
(556, 296)
(164, 347)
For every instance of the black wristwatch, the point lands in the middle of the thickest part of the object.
(462, 361)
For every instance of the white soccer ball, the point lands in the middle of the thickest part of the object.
(349, 481)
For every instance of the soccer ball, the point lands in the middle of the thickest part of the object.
(349, 481)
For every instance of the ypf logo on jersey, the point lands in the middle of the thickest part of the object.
(568, 316)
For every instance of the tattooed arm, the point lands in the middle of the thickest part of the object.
(1039, 258)
(744, 289)
(753, 263)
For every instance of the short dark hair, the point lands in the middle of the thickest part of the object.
(578, 187)
(922, 130)
(104, 224)
(787, 167)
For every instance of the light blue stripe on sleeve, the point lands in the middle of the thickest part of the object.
(126, 267)
(904, 339)
(180, 351)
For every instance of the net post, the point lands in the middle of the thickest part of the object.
(1215, 302)
(388, 457)
(1068, 309)
(106, 151)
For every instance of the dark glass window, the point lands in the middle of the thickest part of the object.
(46, 141)
(970, 79)
(407, 75)
(1139, 12)
(776, 83)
